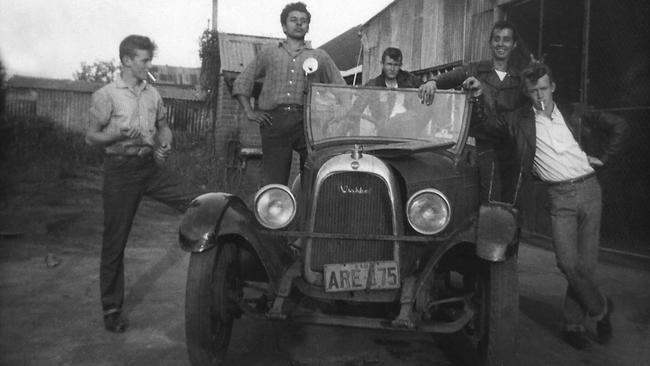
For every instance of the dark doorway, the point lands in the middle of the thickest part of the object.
(553, 29)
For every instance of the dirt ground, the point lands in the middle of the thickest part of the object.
(50, 312)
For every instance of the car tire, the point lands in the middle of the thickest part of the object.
(498, 345)
(495, 321)
(209, 310)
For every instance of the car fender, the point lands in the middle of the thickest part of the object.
(213, 216)
(497, 233)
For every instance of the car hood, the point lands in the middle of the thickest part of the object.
(421, 170)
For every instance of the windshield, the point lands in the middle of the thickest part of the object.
(384, 115)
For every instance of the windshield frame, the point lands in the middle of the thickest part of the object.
(456, 149)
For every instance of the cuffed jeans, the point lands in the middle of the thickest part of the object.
(279, 140)
(575, 220)
(126, 181)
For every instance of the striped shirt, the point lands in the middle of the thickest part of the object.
(117, 106)
(558, 156)
(284, 80)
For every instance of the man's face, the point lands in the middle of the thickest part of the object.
(139, 64)
(297, 25)
(502, 44)
(390, 67)
(541, 91)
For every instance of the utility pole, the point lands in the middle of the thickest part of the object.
(215, 11)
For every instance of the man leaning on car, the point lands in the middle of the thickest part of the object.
(550, 143)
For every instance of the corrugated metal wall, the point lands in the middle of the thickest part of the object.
(70, 109)
(430, 33)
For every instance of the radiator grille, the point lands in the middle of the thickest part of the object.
(352, 203)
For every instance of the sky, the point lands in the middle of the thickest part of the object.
(51, 38)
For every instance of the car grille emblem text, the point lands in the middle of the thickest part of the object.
(346, 189)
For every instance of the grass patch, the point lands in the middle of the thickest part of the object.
(37, 149)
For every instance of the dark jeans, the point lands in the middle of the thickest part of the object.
(279, 140)
(575, 220)
(126, 181)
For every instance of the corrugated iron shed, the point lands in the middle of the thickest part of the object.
(25, 82)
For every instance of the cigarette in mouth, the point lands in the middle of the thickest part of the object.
(541, 103)
(153, 78)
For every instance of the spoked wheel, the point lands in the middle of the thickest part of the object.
(490, 337)
(210, 303)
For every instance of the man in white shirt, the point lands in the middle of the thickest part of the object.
(549, 142)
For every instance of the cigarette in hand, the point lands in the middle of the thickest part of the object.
(153, 78)
(541, 103)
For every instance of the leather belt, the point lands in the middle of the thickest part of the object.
(289, 108)
(579, 179)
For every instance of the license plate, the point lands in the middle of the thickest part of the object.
(382, 275)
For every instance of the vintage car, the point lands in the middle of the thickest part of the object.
(383, 229)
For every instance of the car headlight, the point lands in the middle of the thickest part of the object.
(275, 206)
(428, 211)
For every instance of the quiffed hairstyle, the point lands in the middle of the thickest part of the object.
(299, 6)
(135, 42)
(393, 53)
(535, 70)
(504, 24)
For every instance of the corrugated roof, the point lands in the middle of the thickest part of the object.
(238, 50)
(26, 82)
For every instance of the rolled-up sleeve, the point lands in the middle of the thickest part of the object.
(244, 83)
(100, 107)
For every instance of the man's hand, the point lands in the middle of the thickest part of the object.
(161, 153)
(261, 118)
(473, 86)
(427, 91)
(130, 133)
(595, 162)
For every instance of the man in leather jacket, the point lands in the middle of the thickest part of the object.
(501, 83)
(551, 143)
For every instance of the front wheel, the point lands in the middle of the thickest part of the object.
(490, 337)
(501, 310)
(210, 303)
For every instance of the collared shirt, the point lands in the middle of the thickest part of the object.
(117, 106)
(284, 80)
(558, 156)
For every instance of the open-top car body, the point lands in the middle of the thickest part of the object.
(382, 229)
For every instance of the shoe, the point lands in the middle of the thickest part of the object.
(114, 322)
(604, 325)
(577, 339)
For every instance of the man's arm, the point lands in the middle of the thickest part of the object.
(484, 118)
(243, 88)
(448, 80)
(164, 134)
(100, 114)
(614, 127)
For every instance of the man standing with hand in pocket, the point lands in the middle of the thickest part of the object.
(128, 120)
